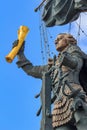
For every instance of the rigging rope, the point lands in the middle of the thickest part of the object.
(41, 38)
(78, 34)
(44, 40)
(81, 29)
(69, 30)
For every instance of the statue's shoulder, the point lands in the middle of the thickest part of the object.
(74, 49)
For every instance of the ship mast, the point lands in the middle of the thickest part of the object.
(40, 5)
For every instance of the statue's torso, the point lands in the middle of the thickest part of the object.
(62, 112)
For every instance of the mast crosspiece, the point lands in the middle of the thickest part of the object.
(40, 5)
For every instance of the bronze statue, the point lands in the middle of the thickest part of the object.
(68, 84)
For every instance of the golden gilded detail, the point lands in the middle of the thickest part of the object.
(22, 32)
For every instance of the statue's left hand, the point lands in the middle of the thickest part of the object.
(15, 43)
(21, 51)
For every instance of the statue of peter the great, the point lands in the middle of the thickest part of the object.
(68, 82)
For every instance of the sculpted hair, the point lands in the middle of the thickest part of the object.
(71, 39)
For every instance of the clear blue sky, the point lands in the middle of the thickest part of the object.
(18, 106)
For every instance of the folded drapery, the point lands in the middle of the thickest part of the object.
(60, 12)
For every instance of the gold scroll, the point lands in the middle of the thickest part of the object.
(22, 32)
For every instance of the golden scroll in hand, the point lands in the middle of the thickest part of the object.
(22, 32)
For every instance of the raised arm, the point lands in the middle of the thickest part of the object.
(27, 66)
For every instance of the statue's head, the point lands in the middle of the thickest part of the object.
(63, 40)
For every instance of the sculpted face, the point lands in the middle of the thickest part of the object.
(63, 40)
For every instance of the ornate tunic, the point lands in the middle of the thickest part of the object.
(69, 72)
